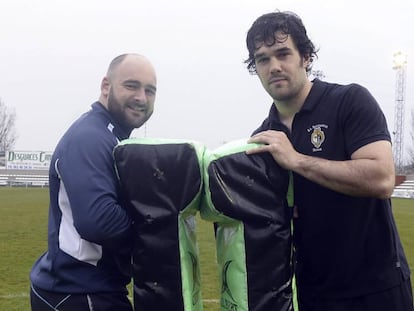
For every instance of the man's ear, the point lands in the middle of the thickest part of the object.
(105, 86)
(306, 60)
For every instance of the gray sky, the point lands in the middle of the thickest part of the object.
(54, 53)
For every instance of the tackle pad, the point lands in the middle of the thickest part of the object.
(161, 183)
(246, 198)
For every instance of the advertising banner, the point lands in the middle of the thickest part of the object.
(28, 160)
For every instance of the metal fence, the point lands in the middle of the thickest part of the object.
(24, 178)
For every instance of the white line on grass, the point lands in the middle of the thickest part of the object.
(26, 295)
(14, 296)
(211, 300)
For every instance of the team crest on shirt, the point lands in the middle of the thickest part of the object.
(317, 136)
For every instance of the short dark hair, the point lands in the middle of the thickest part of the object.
(264, 29)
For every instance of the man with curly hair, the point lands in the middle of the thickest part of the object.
(335, 141)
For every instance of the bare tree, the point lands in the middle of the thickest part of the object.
(8, 134)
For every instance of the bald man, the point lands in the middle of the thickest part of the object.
(87, 264)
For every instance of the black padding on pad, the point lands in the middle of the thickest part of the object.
(157, 182)
(252, 189)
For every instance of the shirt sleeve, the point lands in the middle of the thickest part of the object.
(87, 171)
(363, 120)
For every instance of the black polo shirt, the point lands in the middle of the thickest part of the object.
(346, 246)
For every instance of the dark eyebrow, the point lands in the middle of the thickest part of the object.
(131, 82)
(152, 87)
(277, 50)
(284, 49)
(259, 55)
(136, 82)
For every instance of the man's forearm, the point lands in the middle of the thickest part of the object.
(359, 177)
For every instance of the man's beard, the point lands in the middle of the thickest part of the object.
(115, 108)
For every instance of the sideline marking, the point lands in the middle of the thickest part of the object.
(14, 296)
(26, 295)
(211, 300)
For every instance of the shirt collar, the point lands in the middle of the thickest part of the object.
(112, 126)
(314, 96)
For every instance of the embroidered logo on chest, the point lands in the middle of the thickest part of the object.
(317, 136)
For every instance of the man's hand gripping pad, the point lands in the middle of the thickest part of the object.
(245, 195)
(161, 184)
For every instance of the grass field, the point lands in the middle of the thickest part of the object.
(23, 225)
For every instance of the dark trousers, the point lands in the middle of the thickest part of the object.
(42, 300)
(398, 298)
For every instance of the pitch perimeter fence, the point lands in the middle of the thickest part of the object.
(24, 178)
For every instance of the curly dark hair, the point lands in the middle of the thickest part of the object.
(264, 29)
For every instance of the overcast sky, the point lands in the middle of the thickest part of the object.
(54, 53)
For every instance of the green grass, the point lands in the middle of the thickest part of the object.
(23, 235)
(403, 210)
(23, 238)
(23, 225)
